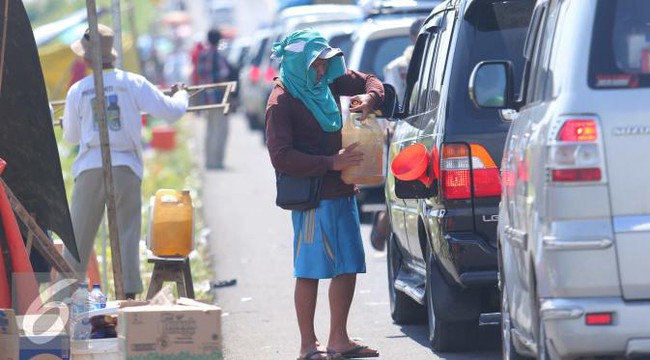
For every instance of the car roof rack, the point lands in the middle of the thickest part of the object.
(393, 7)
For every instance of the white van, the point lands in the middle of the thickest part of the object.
(574, 218)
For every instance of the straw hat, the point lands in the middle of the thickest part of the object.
(83, 46)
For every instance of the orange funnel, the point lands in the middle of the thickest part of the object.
(411, 164)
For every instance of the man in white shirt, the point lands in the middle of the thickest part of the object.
(126, 96)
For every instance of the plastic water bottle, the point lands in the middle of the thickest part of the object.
(97, 298)
(79, 320)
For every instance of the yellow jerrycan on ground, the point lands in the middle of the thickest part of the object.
(171, 223)
(370, 137)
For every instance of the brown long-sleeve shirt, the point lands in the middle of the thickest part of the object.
(294, 135)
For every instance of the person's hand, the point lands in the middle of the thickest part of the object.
(177, 87)
(363, 103)
(347, 157)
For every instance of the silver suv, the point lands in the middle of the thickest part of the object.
(574, 218)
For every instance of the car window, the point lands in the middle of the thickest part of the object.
(491, 30)
(540, 76)
(343, 42)
(557, 61)
(413, 75)
(379, 52)
(437, 75)
(542, 91)
(620, 45)
(427, 70)
(536, 42)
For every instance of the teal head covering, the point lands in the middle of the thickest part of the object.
(297, 52)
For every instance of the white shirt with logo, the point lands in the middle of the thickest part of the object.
(126, 96)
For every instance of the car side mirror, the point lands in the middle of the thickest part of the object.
(490, 85)
(390, 105)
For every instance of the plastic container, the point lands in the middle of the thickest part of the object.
(97, 298)
(95, 349)
(79, 319)
(370, 137)
(163, 137)
(171, 223)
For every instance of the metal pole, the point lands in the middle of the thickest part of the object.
(105, 147)
(117, 28)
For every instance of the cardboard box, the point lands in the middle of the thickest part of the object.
(43, 336)
(9, 338)
(32, 336)
(187, 329)
(95, 349)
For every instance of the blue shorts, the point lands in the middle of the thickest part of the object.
(327, 240)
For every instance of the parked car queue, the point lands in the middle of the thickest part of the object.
(529, 117)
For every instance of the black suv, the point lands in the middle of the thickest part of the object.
(442, 258)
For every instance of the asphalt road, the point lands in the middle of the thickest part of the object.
(251, 240)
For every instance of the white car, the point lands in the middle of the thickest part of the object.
(574, 219)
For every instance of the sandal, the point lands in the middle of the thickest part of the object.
(310, 355)
(359, 352)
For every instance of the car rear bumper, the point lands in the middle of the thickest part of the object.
(565, 325)
(473, 261)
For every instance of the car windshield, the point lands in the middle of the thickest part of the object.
(620, 45)
(379, 52)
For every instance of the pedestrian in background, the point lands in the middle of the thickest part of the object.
(394, 74)
(303, 115)
(126, 96)
(212, 67)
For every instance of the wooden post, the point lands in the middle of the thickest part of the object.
(117, 28)
(43, 244)
(105, 147)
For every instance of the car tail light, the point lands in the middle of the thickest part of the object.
(486, 174)
(254, 74)
(578, 130)
(463, 167)
(574, 153)
(269, 74)
(599, 319)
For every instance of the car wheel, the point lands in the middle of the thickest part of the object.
(403, 309)
(507, 346)
(445, 335)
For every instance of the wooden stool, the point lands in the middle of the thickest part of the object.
(176, 269)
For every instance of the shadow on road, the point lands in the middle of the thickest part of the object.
(489, 341)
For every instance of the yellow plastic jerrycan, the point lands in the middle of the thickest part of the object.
(172, 223)
(370, 137)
